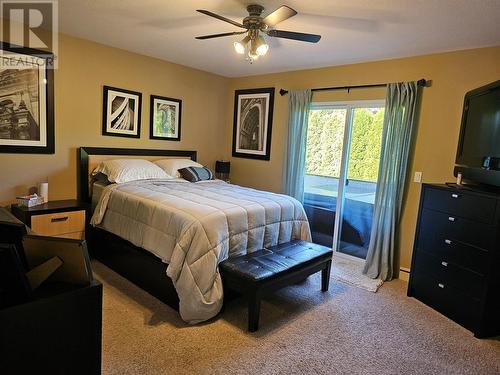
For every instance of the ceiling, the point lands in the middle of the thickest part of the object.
(352, 30)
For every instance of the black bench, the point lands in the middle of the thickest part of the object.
(273, 268)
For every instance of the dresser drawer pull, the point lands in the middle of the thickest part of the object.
(58, 219)
(451, 218)
(455, 196)
(441, 285)
(445, 264)
(448, 242)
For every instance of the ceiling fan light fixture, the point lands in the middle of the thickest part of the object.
(261, 46)
(253, 56)
(240, 47)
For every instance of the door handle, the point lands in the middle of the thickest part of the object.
(448, 242)
(455, 196)
(445, 264)
(451, 218)
(441, 285)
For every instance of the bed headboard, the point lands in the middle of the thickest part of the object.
(89, 157)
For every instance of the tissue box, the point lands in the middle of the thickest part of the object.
(29, 200)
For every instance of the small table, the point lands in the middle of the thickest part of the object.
(273, 268)
(62, 218)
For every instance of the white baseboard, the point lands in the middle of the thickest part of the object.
(404, 274)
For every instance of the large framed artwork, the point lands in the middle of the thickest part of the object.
(26, 101)
(252, 124)
(121, 112)
(165, 118)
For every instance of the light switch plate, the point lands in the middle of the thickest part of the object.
(417, 177)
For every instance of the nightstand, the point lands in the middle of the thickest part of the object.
(65, 218)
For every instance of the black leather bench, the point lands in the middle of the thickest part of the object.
(273, 268)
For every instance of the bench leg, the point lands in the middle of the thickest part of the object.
(325, 276)
(253, 311)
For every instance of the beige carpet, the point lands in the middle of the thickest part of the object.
(303, 331)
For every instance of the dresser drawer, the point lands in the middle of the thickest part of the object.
(452, 250)
(59, 223)
(457, 228)
(468, 282)
(446, 299)
(471, 206)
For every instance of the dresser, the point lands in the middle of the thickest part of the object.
(63, 218)
(456, 257)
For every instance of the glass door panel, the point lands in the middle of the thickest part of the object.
(357, 196)
(325, 140)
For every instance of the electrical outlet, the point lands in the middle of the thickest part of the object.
(417, 177)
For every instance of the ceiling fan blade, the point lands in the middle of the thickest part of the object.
(279, 15)
(208, 13)
(219, 35)
(311, 38)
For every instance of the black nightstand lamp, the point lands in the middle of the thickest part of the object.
(222, 169)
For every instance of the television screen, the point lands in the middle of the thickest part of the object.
(480, 134)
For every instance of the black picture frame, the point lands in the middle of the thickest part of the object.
(247, 94)
(48, 75)
(152, 117)
(105, 98)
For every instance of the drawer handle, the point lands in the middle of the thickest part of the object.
(58, 219)
(441, 285)
(455, 196)
(444, 264)
(448, 242)
(451, 218)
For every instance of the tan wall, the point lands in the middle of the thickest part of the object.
(452, 74)
(84, 67)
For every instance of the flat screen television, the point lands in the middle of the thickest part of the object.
(478, 152)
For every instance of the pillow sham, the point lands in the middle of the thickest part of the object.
(126, 170)
(172, 166)
(195, 174)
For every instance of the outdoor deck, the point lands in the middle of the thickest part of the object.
(320, 201)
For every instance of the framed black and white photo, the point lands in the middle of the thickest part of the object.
(252, 124)
(121, 115)
(26, 101)
(165, 118)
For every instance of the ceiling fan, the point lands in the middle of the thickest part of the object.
(255, 26)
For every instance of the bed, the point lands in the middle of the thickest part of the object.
(184, 229)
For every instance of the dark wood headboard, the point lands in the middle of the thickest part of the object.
(89, 157)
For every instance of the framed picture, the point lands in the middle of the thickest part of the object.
(26, 101)
(253, 120)
(121, 113)
(165, 118)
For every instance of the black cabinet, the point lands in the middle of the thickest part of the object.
(57, 333)
(456, 257)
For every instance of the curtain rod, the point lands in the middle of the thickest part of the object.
(421, 83)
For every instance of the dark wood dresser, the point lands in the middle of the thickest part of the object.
(456, 257)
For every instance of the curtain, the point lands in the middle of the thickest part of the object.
(399, 124)
(295, 147)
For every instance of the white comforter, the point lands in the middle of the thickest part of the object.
(195, 226)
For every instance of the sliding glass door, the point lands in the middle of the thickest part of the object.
(342, 160)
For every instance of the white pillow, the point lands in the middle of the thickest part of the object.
(171, 166)
(125, 170)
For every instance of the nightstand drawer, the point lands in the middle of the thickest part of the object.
(61, 223)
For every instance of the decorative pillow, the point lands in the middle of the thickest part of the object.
(172, 166)
(195, 174)
(125, 170)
